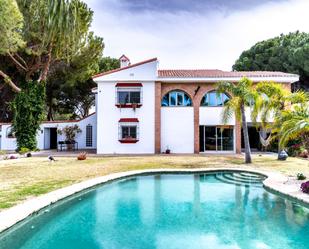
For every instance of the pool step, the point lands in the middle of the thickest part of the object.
(255, 178)
(237, 183)
(242, 180)
(228, 178)
(251, 177)
(246, 174)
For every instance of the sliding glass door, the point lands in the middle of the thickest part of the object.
(210, 138)
(216, 138)
(226, 137)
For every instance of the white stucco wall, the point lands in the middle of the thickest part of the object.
(43, 134)
(177, 129)
(108, 116)
(213, 116)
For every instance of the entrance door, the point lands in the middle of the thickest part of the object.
(53, 138)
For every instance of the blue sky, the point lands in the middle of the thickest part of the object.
(193, 34)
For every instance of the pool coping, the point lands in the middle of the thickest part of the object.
(275, 182)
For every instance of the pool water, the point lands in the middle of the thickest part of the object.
(169, 211)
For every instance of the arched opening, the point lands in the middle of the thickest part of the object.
(176, 98)
(213, 98)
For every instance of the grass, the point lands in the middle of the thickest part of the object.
(29, 177)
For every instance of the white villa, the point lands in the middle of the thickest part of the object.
(141, 109)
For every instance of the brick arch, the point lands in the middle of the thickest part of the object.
(185, 89)
(177, 89)
(203, 90)
(210, 90)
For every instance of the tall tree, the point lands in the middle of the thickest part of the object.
(286, 53)
(108, 63)
(242, 96)
(69, 88)
(11, 21)
(52, 30)
(11, 40)
(69, 85)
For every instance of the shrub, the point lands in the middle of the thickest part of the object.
(294, 149)
(28, 107)
(82, 156)
(2, 153)
(301, 176)
(305, 187)
(23, 150)
(70, 132)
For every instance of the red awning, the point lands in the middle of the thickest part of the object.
(129, 84)
(126, 120)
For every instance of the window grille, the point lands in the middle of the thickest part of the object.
(89, 135)
(128, 131)
(128, 95)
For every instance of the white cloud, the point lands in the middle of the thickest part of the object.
(190, 39)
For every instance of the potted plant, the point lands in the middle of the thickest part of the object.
(82, 156)
(70, 133)
(167, 151)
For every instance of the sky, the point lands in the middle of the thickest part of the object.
(209, 34)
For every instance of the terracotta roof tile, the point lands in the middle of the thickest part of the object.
(215, 73)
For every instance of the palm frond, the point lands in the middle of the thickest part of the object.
(294, 122)
(229, 111)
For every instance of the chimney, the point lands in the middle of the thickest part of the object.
(124, 61)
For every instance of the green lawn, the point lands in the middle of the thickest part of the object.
(28, 177)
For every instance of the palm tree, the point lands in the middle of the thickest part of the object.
(272, 101)
(295, 122)
(242, 95)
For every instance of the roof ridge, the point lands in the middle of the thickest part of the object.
(188, 69)
(215, 73)
(123, 68)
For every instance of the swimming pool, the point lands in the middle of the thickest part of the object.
(223, 210)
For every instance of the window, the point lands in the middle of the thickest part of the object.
(176, 98)
(216, 138)
(89, 135)
(128, 94)
(128, 130)
(213, 99)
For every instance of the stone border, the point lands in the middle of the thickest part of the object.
(275, 182)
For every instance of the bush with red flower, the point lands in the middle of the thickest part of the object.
(305, 187)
